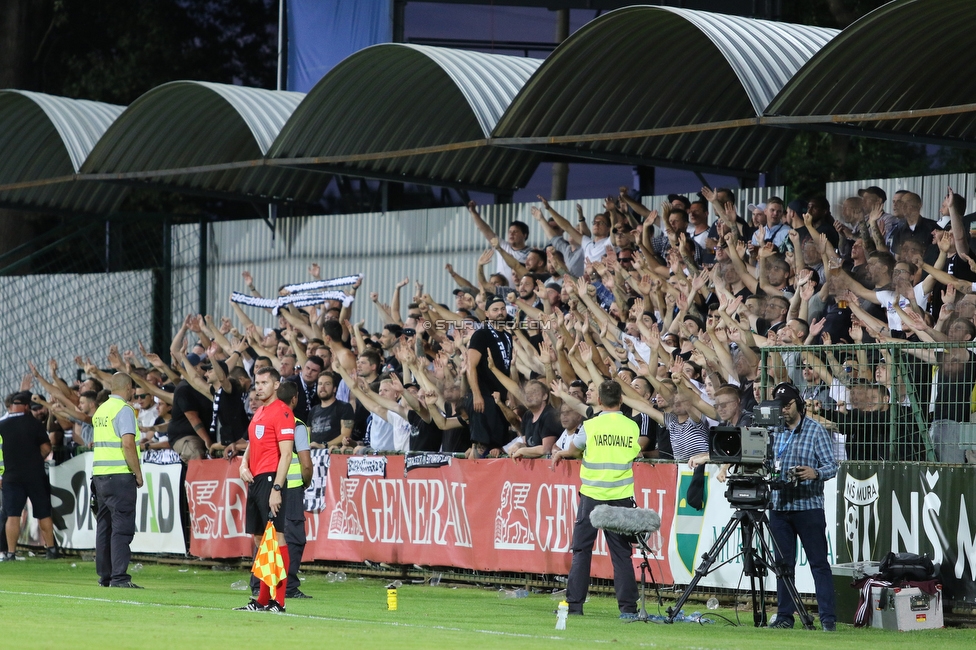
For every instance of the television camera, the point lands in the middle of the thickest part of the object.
(749, 450)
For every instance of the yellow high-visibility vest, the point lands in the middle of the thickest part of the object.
(108, 458)
(295, 469)
(612, 444)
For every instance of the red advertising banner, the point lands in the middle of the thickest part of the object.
(217, 498)
(488, 515)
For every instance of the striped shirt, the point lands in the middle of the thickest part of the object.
(808, 445)
(688, 438)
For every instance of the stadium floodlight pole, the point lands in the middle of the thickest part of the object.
(281, 45)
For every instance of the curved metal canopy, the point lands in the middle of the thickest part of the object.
(46, 137)
(184, 125)
(404, 98)
(907, 58)
(663, 71)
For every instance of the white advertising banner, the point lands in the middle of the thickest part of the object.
(695, 532)
(159, 528)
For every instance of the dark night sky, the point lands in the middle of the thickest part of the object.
(500, 23)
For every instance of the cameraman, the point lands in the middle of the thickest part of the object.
(804, 450)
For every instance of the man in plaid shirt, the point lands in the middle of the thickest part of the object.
(804, 447)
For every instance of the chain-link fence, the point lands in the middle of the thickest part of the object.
(886, 401)
(76, 290)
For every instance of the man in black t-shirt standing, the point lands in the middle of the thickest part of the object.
(540, 422)
(25, 446)
(228, 419)
(488, 427)
(331, 420)
(188, 432)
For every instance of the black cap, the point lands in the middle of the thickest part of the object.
(471, 291)
(873, 189)
(798, 206)
(492, 299)
(680, 197)
(785, 393)
(23, 398)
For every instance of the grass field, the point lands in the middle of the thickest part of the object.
(58, 604)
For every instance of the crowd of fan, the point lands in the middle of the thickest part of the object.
(680, 312)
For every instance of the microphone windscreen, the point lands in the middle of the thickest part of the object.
(626, 521)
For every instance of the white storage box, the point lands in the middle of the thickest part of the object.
(906, 608)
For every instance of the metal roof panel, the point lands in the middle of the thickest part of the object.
(668, 67)
(905, 55)
(394, 96)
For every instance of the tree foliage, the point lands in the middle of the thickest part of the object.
(115, 50)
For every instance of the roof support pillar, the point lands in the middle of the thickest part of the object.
(560, 170)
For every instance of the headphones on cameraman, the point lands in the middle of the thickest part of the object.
(788, 391)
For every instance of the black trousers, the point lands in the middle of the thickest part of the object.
(584, 536)
(116, 519)
(294, 534)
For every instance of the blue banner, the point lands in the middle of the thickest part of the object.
(321, 33)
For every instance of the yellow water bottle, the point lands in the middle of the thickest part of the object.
(391, 597)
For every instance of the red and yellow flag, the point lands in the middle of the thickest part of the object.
(268, 567)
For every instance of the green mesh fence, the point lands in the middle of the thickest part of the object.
(886, 401)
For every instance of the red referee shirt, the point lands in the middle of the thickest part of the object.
(270, 425)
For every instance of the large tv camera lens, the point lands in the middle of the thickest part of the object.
(726, 443)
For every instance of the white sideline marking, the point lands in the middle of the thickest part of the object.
(332, 619)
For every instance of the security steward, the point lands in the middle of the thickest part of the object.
(609, 443)
(116, 476)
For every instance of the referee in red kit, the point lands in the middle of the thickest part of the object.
(271, 437)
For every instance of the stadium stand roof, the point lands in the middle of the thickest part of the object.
(193, 125)
(44, 137)
(909, 59)
(399, 97)
(678, 88)
(640, 70)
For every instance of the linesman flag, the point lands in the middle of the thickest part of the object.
(268, 567)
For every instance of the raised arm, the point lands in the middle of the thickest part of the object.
(575, 238)
(480, 223)
(395, 301)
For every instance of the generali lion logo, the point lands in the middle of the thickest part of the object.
(344, 523)
(512, 528)
(861, 521)
(217, 508)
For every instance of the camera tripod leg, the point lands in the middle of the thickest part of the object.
(642, 615)
(762, 528)
(708, 559)
(754, 566)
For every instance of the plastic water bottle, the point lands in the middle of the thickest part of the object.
(561, 613)
(712, 603)
(513, 593)
(240, 585)
(391, 597)
(330, 576)
(340, 576)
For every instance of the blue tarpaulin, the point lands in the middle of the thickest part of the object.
(321, 33)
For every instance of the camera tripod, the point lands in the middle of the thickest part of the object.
(756, 562)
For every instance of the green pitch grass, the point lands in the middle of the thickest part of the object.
(59, 605)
